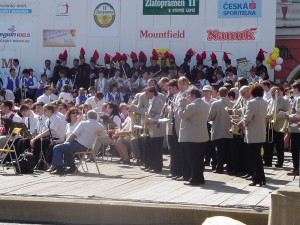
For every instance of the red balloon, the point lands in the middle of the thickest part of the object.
(273, 63)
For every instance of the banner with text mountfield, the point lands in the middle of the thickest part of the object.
(239, 8)
(175, 7)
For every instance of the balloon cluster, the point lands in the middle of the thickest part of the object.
(274, 60)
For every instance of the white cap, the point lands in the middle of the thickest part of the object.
(207, 88)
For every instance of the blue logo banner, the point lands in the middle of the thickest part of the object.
(239, 8)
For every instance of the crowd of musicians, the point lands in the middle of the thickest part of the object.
(206, 116)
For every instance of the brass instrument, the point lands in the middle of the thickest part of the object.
(235, 129)
(145, 126)
(134, 121)
(124, 72)
(285, 125)
(272, 120)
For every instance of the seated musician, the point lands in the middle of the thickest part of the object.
(30, 120)
(81, 139)
(121, 142)
(56, 131)
(6, 109)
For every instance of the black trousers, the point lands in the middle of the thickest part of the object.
(295, 147)
(155, 153)
(172, 144)
(223, 146)
(257, 163)
(145, 150)
(238, 154)
(210, 152)
(279, 145)
(195, 156)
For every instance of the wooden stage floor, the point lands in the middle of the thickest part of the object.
(119, 182)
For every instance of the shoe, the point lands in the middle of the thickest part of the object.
(293, 173)
(268, 164)
(71, 170)
(155, 171)
(217, 171)
(194, 184)
(180, 179)
(170, 176)
(257, 183)
(277, 165)
(59, 171)
(126, 162)
(246, 176)
(249, 178)
(143, 167)
(51, 169)
(148, 169)
(240, 174)
(175, 177)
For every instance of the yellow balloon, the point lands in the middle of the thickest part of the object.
(274, 56)
(268, 60)
(276, 50)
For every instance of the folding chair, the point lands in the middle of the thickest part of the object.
(9, 148)
(88, 152)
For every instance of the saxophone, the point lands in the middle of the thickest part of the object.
(272, 120)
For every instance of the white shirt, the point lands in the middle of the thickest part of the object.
(33, 121)
(70, 129)
(127, 125)
(49, 73)
(57, 126)
(44, 98)
(16, 117)
(9, 95)
(66, 96)
(267, 95)
(41, 124)
(117, 120)
(95, 106)
(85, 132)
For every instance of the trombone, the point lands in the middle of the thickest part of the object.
(272, 120)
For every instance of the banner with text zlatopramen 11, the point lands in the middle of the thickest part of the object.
(175, 7)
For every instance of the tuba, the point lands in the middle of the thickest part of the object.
(235, 129)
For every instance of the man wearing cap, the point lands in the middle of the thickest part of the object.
(253, 77)
(74, 71)
(211, 70)
(62, 66)
(154, 68)
(124, 66)
(186, 67)
(84, 72)
(259, 63)
(142, 61)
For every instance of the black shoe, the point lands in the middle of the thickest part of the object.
(59, 171)
(218, 171)
(249, 178)
(256, 183)
(268, 164)
(194, 183)
(170, 175)
(148, 169)
(277, 165)
(180, 179)
(246, 176)
(71, 170)
(175, 177)
(155, 171)
(144, 167)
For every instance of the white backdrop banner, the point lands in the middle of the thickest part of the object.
(16, 33)
(6, 57)
(104, 18)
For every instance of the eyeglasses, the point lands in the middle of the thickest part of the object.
(75, 113)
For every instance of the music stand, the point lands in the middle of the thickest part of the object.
(8, 124)
(25, 132)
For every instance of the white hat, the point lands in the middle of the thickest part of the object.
(207, 88)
